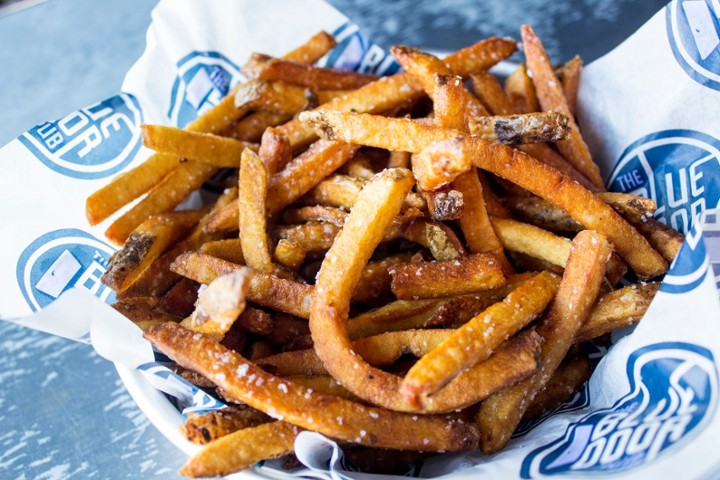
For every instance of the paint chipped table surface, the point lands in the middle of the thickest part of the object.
(64, 413)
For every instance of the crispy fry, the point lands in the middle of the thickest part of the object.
(280, 97)
(500, 413)
(437, 237)
(399, 160)
(552, 98)
(519, 87)
(476, 340)
(242, 449)
(617, 309)
(339, 191)
(206, 427)
(203, 147)
(145, 244)
(251, 127)
(531, 240)
(142, 311)
(180, 300)
(311, 236)
(313, 49)
(375, 279)
(308, 409)
(543, 214)
(220, 304)
(252, 193)
(321, 78)
(569, 377)
(444, 203)
(318, 213)
(522, 128)
(265, 290)
(229, 249)
(275, 151)
(570, 78)
(290, 254)
(460, 276)
(663, 238)
(255, 321)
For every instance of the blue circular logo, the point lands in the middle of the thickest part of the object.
(693, 31)
(59, 260)
(355, 52)
(678, 169)
(204, 78)
(673, 389)
(90, 143)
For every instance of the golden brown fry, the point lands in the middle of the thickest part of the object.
(180, 300)
(339, 191)
(634, 208)
(478, 272)
(290, 254)
(320, 78)
(255, 321)
(617, 309)
(505, 162)
(164, 197)
(552, 98)
(543, 214)
(219, 305)
(251, 127)
(444, 203)
(229, 249)
(313, 49)
(501, 412)
(531, 240)
(330, 415)
(522, 128)
(318, 213)
(375, 279)
(663, 238)
(434, 168)
(241, 450)
(280, 97)
(142, 311)
(521, 90)
(389, 92)
(203, 428)
(570, 78)
(569, 378)
(265, 290)
(435, 236)
(358, 167)
(489, 91)
(145, 244)
(399, 160)
(203, 147)
(127, 186)
(275, 151)
(252, 192)
(476, 340)
(311, 236)
(305, 172)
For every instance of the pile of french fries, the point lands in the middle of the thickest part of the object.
(403, 264)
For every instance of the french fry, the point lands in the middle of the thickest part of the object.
(307, 409)
(290, 254)
(339, 191)
(180, 300)
(251, 127)
(501, 412)
(311, 236)
(203, 428)
(229, 249)
(375, 279)
(142, 311)
(313, 49)
(203, 147)
(444, 203)
(543, 214)
(570, 78)
(617, 309)
(505, 162)
(219, 305)
(460, 276)
(318, 213)
(255, 321)
(321, 78)
(664, 239)
(145, 244)
(242, 449)
(252, 194)
(569, 377)
(531, 240)
(435, 236)
(522, 128)
(265, 290)
(280, 97)
(399, 160)
(552, 98)
(275, 151)
(476, 340)
(519, 87)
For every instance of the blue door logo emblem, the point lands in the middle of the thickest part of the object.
(673, 388)
(355, 52)
(694, 34)
(204, 78)
(90, 143)
(678, 169)
(59, 260)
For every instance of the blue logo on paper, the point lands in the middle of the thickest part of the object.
(673, 388)
(678, 169)
(204, 78)
(93, 142)
(59, 260)
(694, 34)
(691, 265)
(355, 52)
(711, 235)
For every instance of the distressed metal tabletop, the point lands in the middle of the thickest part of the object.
(63, 411)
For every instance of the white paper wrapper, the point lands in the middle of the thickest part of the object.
(647, 109)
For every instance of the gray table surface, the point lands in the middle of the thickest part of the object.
(63, 411)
